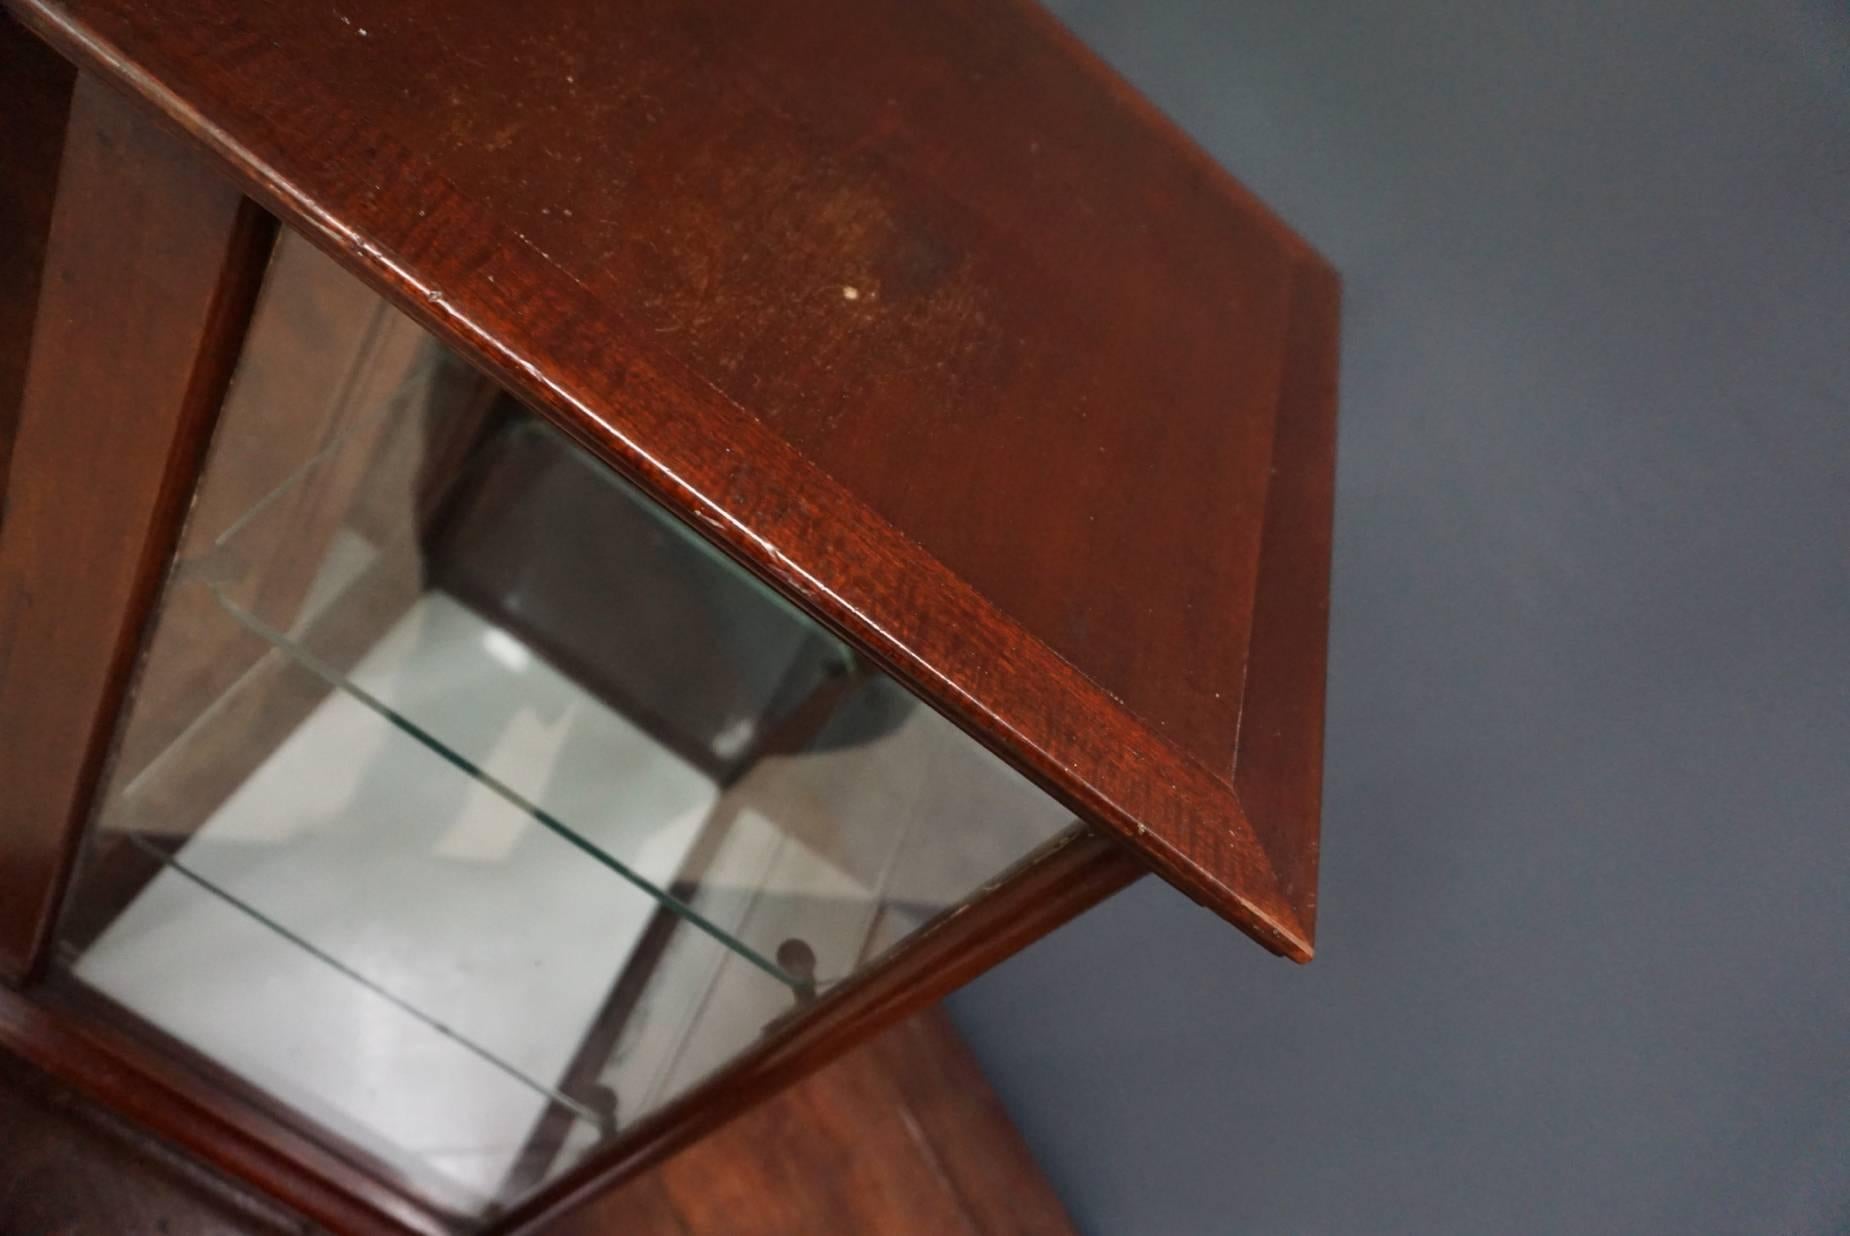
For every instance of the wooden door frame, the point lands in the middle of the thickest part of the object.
(138, 328)
(105, 462)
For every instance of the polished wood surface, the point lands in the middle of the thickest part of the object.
(69, 1168)
(63, 1032)
(974, 1145)
(1071, 875)
(146, 1077)
(321, 357)
(902, 1136)
(35, 98)
(136, 331)
(913, 307)
(547, 548)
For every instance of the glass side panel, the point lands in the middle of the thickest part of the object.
(470, 804)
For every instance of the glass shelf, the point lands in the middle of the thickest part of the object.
(441, 624)
(472, 805)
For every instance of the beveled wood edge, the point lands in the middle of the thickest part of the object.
(1073, 873)
(1288, 641)
(63, 1028)
(54, 1032)
(1088, 750)
(1158, 121)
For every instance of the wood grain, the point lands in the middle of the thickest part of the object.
(974, 1146)
(900, 1136)
(1278, 768)
(543, 545)
(68, 1167)
(911, 307)
(57, 1031)
(1073, 874)
(152, 264)
(35, 98)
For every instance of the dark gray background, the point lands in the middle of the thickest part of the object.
(1585, 931)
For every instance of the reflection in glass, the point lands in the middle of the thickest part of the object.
(467, 802)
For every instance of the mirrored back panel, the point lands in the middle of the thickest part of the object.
(469, 804)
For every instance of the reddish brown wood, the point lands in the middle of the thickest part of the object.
(900, 1136)
(320, 359)
(912, 307)
(1072, 875)
(640, 1208)
(1278, 767)
(974, 1145)
(59, 1033)
(539, 523)
(791, 732)
(35, 98)
(69, 1168)
(152, 264)
(77, 1037)
(267, 1122)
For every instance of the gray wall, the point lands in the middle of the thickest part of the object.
(1585, 934)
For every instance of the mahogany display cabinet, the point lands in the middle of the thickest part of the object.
(563, 563)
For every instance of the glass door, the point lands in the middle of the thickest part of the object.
(468, 803)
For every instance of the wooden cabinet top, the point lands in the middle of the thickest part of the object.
(909, 305)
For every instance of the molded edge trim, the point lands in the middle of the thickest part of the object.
(484, 290)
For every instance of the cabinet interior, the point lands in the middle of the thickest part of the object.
(469, 804)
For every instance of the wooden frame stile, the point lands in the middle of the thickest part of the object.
(64, 1032)
(572, 351)
(104, 462)
(1196, 756)
(37, 86)
(107, 459)
(1070, 875)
